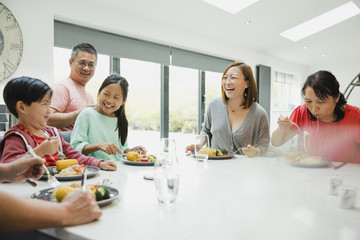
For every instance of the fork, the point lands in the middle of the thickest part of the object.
(301, 132)
(240, 148)
(51, 179)
(83, 179)
(61, 154)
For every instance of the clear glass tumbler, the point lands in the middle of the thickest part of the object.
(166, 172)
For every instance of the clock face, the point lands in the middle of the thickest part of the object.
(11, 43)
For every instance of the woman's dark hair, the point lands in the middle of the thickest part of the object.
(25, 89)
(325, 85)
(122, 123)
(250, 94)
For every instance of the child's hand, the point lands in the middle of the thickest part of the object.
(108, 165)
(47, 147)
(109, 148)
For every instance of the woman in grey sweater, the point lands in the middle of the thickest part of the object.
(236, 121)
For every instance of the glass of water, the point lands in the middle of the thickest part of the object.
(201, 148)
(166, 172)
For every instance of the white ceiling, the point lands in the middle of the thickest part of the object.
(339, 43)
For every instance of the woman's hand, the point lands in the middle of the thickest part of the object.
(47, 147)
(109, 148)
(251, 151)
(284, 123)
(108, 165)
(190, 148)
(79, 207)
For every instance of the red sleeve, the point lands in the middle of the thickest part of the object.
(14, 148)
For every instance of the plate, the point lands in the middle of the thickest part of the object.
(94, 170)
(46, 195)
(126, 161)
(231, 155)
(308, 163)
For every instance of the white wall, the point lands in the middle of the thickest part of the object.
(36, 18)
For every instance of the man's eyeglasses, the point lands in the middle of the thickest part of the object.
(83, 64)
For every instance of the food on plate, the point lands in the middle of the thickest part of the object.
(62, 164)
(215, 152)
(136, 157)
(133, 156)
(312, 160)
(148, 158)
(73, 170)
(100, 192)
(62, 192)
(302, 158)
(152, 158)
(50, 171)
(292, 155)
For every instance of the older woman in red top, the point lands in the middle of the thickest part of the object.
(332, 125)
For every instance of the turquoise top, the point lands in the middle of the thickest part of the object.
(92, 127)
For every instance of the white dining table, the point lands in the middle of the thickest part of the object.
(239, 198)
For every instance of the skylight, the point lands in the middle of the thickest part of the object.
(322, 22)
(231, 6)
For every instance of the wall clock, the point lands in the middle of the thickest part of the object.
(11, 43)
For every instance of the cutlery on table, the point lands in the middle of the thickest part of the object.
(51, 179)
(104, 182)
(31, 182)
(339, 166)
(83, 179)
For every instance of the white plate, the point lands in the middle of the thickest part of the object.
(302, 163)
(94, 170)
(46, 195)
(231, 155)
(126, 161)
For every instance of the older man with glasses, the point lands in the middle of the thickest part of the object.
(69, 96)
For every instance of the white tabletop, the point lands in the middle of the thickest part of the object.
(258, 198)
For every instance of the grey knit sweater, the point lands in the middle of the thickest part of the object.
(254, 130)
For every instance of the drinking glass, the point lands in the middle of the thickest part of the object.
(166, 172)
(201, 148)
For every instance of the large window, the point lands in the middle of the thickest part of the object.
(212, 86)
(183, 104)
(143, 103)
(285, 96)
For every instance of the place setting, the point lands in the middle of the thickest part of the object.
(103, 193)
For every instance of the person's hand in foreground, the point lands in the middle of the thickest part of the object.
(22, 168)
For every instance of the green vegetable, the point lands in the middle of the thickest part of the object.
(219, 153)
(224, 151)
(102, 193)
(152, 158)
(50, 171)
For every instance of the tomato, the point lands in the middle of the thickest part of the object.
(145, 159)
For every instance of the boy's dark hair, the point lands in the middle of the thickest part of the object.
(85, 47)
(122, 123)
(25, 89)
